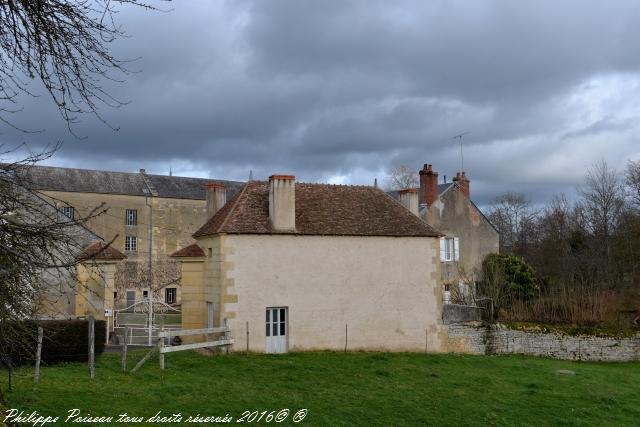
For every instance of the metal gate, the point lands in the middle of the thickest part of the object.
(144, 319)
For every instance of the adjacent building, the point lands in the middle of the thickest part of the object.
(468, 234)
(142, 215)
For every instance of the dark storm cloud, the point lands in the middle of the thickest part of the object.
(342, 90)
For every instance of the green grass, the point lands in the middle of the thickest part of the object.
(345, 389)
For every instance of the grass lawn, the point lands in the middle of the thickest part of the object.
(344, 389)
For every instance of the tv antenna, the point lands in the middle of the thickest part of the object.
(459, 137)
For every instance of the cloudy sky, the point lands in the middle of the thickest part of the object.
(341, 91)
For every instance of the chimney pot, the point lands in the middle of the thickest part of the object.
(282, 202)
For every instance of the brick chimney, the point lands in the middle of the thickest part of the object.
(216, 195)
(409, 199)
(462, 182)
(428, 185)
(282, 202)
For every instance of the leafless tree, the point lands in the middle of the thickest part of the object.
(401, 177)
(602, 200)
(138, 274)
(514, 217)
(632, 181)
(39, 250)
(65, 45)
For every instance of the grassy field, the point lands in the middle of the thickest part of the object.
(344, 389)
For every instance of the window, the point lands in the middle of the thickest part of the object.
(131, 217)
(210, 250)
(449, 249)
(130, 244)
(170, 295)
(68, 211)
(145, 294)
(115, 295)
(131, 298)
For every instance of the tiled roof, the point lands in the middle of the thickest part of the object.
(193, 250)
(106, 182)
(98, 250)
(321, 209)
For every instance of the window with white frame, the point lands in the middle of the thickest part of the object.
(68, 211)
(170, 295)
(131, 217)
(449, 249)
(130, 244)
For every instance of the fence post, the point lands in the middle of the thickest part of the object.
(226, 335)
(160, 345)
(38, 354)
(247, 337)
(92, 346)
(124, 349)
(426, 340)
(346, 337)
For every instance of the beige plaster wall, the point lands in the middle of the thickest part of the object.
(454, 215)
(384, 288)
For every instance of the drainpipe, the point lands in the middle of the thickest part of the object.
(150, 192)
(150, 206)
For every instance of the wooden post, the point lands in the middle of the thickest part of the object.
(124, 349)
(92, 347)
(144, 359)
(38, 354)
(247, 337)
(226, 335)
(426, 340)
(346, 337)
(160, 345)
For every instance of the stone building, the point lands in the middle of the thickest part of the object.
(296, 266)
(468, 234)
(140, 208)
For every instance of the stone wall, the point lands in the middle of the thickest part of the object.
(496, 339)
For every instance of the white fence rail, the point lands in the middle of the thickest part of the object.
(165, 335)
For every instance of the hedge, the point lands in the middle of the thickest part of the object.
(62, 341)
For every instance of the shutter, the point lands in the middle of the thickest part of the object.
(443, 242)
(456, 249)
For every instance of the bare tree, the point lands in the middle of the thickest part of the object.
(602, 199)
(39, 249)
(402, 177)
(632, 180)
(137, 274)
(514, 217)
(65, 45)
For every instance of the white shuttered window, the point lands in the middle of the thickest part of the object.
(449, 249)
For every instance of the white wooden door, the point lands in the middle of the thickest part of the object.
(276, 329)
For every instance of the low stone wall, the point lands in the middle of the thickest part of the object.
(476, 338)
